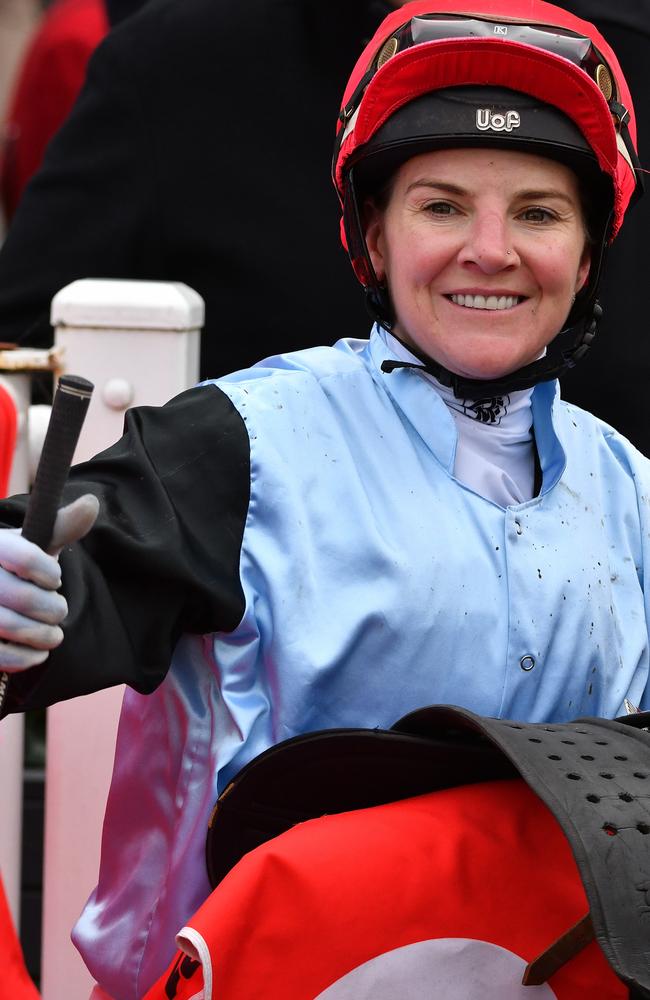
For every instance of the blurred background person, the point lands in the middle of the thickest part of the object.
(47, 84)
(49, 80)
(182, 161)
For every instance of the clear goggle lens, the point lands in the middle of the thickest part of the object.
(569, 45)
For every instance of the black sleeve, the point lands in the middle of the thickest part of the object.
(91, 210)
(163, 557)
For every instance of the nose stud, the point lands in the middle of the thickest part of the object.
(508, 252)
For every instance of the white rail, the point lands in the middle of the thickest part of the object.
(17, 383)
(139, 343)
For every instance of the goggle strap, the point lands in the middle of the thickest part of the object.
(349, 109)
(346, 113)
(626, 149)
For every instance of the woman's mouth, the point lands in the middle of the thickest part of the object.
(486, 301)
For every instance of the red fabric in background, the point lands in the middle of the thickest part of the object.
(15, 984)
(14, 980)
(8, 431)
(486, 862)
(48, 83)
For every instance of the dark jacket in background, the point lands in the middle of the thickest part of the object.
(117, 10)
(199, 151)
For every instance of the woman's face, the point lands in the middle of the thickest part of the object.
(483, 251)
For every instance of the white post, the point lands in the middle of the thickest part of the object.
(139, 343)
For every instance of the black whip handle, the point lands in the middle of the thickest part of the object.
(68, 412)
(69, 409)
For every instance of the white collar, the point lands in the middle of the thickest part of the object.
(495, 451)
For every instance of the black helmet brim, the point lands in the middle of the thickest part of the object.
(449, 118)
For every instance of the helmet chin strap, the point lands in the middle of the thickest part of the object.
(552, 366)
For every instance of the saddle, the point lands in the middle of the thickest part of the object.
(564, 810)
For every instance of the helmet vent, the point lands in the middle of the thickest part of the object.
(387, 51)
(604, 81)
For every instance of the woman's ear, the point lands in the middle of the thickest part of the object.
(374, 235)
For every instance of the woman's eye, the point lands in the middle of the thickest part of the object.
(537, 214)
(442, 208)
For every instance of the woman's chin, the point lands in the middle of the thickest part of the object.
(487, 369)
(476, 358)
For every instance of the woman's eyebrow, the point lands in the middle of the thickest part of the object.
(543, 193)
(532, 194)
(438, 186)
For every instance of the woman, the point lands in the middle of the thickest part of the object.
(338, 536)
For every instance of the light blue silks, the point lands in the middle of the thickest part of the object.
(375, 583)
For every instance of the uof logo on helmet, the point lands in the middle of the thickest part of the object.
(486, 119)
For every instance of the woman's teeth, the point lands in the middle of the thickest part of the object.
(486, 302)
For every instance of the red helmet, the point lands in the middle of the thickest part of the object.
(519, 73)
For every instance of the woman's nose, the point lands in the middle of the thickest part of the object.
(488, 245)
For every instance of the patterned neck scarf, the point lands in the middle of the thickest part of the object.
(495, 453)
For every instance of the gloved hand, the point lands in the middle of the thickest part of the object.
(31, 611)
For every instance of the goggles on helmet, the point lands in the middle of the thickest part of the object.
(555, 40)
(433, 27)
(530, 48)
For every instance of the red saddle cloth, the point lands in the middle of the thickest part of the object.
(447, 895)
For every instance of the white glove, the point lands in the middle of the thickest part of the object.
(31, 611)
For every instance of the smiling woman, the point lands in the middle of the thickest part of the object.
(534, 162)
(483, 252)
(339, 536)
